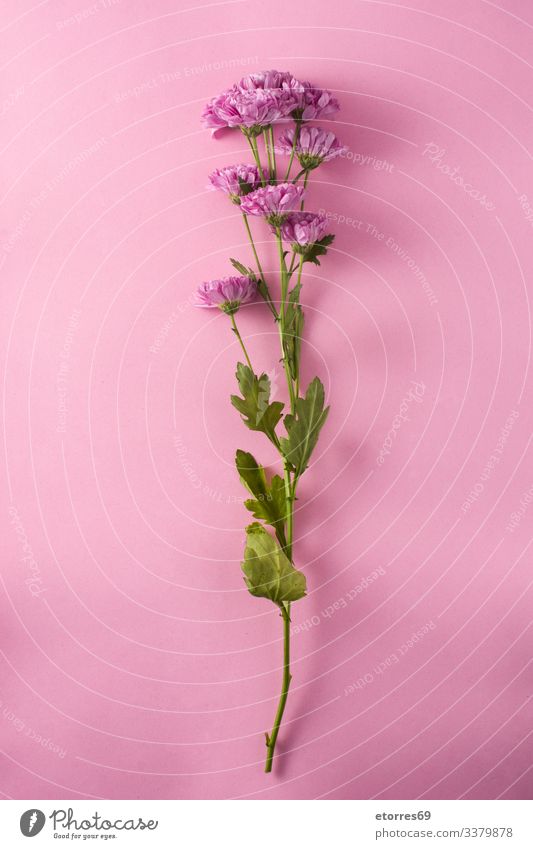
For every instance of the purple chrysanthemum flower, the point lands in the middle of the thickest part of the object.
(249, 110)
(212, 114)
(236, 180)
(302, 229)
(313, 147)
(316, 103)
(256, 102)
(286, 89)
(274, 202)
(227, 293)
(301, 100)
(272, 80)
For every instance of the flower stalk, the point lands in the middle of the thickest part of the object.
(256, 104)
(241, 343)
(266, 290)
(271, 738)
(282, 329)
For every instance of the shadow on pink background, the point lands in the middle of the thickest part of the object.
(133, 661)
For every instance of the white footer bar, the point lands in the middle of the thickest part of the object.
(268, 824)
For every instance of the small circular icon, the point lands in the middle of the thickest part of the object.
(32, 822)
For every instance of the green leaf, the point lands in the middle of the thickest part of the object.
(270, 503)
(311, 253)
(268, 573)
(294, 323)
(263, 291)
(304, 427)
(254, 406)
(294, 294)
(242, 269)
(245, 188)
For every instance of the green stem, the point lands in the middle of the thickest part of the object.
(290, 490)
(297, 381)
(292, 266)
(293, 150)
(284, 286)
(284, 280)
(289, 495)
(268, 151)
(273, 149)
(299, 174)
(305, 186)
(258, 263)
(300, 267)
(239, 337)
(255, 150)
(286, 681)
(252, 243)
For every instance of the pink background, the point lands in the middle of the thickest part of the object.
(136, 664)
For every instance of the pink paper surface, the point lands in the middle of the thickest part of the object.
(133, 662)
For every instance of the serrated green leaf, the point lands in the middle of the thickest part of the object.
(254, 406)
(268, 573)
(294, 294)
(242, 269)
(320, 248)
(270, 503)
(304, 427)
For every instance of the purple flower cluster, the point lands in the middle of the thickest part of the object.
(227, 293)
(266, 98)
(313, 146)
(273, 202)
(302, 229)
(236, 180)
(254, 104)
